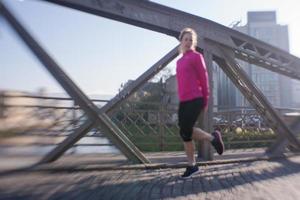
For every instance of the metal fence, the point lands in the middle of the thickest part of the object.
(151, 126)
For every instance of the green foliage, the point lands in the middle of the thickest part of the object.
(157, 138)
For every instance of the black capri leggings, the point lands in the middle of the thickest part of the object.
(188, 113)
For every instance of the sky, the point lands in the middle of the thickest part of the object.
(100, 54)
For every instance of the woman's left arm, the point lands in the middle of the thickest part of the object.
(203, 76)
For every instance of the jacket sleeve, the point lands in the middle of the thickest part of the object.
(203, 77)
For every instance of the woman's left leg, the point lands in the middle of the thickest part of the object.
(189, 150)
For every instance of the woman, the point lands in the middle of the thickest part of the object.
(193, 92)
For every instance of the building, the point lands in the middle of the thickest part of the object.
(277, 88)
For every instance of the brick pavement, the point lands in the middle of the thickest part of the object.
(276, 179)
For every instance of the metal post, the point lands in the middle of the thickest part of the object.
(161, 127)
(205, 118)
(2, 105)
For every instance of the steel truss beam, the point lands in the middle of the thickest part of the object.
(282, 142)
(100, 119)
(295, 126)
(255, 97)
(159, 18)
(111, 105)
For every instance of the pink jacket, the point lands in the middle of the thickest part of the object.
(192, 78)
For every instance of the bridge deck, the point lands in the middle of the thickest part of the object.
(86, 177)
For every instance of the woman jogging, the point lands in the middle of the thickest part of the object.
(193, 92)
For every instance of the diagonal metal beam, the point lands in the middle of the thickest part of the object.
(67, 143)
(295, 126)
(113, 103)
(136, 84)
(256, 98)
(282, 142)
(163, 19)
(110, 130)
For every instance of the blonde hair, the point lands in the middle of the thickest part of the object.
(194, 36)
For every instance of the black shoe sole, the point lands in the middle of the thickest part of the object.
(192, 174)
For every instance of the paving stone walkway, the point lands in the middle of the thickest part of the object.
(275, 179)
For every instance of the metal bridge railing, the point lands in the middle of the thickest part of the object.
(151, 126)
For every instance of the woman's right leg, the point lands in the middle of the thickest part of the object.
(215, 138)
(199, 134)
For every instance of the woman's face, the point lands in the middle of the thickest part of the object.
(187, 42)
